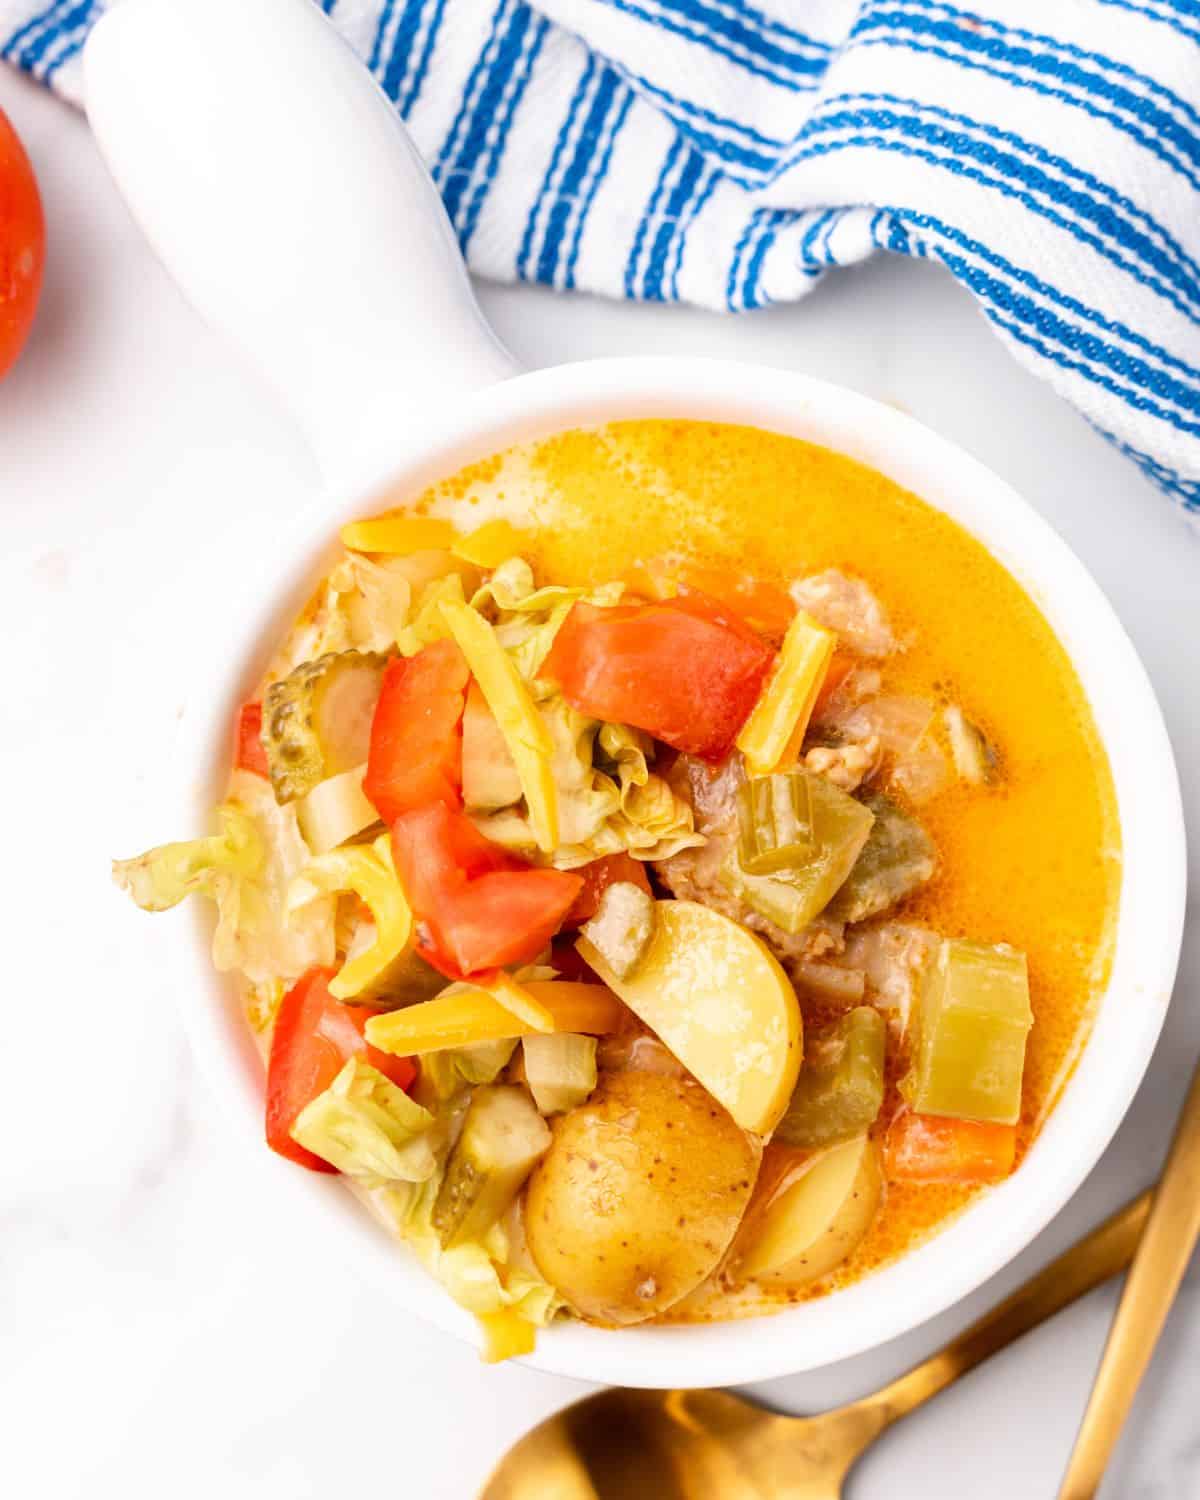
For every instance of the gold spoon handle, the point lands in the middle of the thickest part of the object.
(1093, 1260)
(1162, 1258)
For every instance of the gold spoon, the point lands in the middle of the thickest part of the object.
(710, 1445)
(1158, 1267)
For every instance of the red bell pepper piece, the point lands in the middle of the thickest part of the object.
(686, 670)
(415, 756)
(315, 1036)
(478, 907)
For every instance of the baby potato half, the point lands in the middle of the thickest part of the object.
(639, 1196)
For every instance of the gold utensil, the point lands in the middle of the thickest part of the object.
(710, 1445)
(1170, 1237)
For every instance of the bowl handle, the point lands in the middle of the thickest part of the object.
(280, 189)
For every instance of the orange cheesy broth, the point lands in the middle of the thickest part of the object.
(1033, 861)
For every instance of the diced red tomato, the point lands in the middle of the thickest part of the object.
(416, 736)
(764, 606)
(479, 907)
(22, 246)
(249, 754)
(315, 1036)
(933, 1148)
(687, 670)
(570, 963)
(597, 877)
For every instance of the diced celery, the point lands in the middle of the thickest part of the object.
(502, 1137)
(775, 823)
(793, 898)
(840, 1089)
(898, 857)
(560, 1070)
(771, 735)
(972, 1023)
(623, 927)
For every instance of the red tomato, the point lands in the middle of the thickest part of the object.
(570, 963)
(22, 246)
(765, 606)
(416, 736)
(687, 670)
(249, 754)
(931, 1148)
(597, 877)
(315, 1036)
(479, 907)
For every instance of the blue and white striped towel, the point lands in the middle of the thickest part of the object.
(727, 154)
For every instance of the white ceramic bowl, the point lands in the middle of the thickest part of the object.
(328, 147)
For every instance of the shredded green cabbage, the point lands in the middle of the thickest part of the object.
(246, 869)
(368, 1128)
(484, 1276)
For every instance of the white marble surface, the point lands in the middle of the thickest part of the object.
(167, 1325)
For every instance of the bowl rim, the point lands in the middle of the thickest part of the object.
(997, 1226)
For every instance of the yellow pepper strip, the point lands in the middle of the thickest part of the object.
(591, 1009)
(506, 1335)
(491, 544)
(774, 731)
(516, 713)
(487, 1012)
(528, 1009)
(399, 534)
(367, 871)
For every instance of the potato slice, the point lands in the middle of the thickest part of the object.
(723, 1006)
(814, 1216)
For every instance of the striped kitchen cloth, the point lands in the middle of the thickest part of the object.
(728, 154)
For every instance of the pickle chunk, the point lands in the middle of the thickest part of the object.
(840, 1089)
(898, 857)
(972, 1023)
(317, 720)
(503, 1136)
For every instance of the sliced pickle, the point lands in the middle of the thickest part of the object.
(623, 927)
(972, 1023)
(335, 811)
(407, 980)
(793, 898)
(775, 823)
(840, 1089)
(898, 857)
(317, 720)
(503, 1137)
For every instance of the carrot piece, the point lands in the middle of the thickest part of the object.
(935, 1148)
